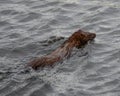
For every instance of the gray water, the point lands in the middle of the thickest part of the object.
(31, 28)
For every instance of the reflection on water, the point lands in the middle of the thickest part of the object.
(36, 27)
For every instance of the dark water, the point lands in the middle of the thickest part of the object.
(30, 28)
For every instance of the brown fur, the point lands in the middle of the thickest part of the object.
(78, 39)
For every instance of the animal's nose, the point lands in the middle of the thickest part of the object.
(92, 36)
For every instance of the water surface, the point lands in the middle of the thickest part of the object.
(31, 28)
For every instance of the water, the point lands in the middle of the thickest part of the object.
(31, 28)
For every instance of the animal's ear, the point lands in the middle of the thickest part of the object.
(79, 30)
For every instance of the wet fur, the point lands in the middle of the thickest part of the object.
(77, 39)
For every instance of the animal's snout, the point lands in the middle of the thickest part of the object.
(92, 36)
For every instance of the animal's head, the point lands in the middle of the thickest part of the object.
(81, 37)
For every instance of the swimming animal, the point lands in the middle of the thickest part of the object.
(77, 39)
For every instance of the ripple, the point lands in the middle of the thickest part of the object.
(9, 12)
(94, 8)
(44, 90)
(3, 23)
(14, 35)
(30, 16)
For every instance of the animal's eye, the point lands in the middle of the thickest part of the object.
(83, 35)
